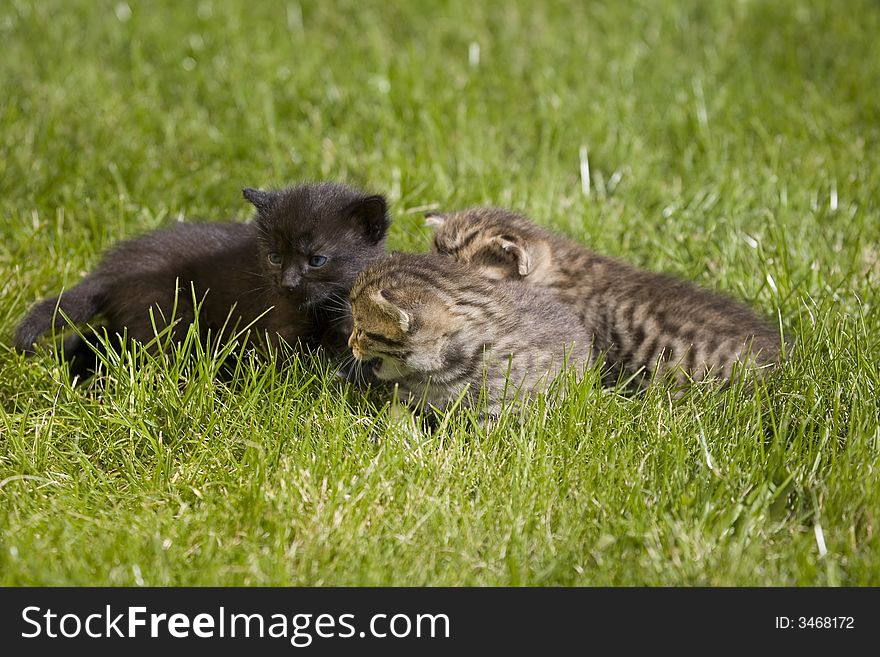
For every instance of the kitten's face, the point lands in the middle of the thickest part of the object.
(493, 241)
(316, 238)
(406, 328)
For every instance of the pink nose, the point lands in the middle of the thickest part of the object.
(351, 341)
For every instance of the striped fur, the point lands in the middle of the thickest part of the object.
(440, 331)
(650, 326)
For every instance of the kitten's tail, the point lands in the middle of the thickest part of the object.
(79, 304)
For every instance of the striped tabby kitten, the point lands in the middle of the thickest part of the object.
(650, 326)
(440, 330)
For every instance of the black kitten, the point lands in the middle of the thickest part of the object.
(286, 274)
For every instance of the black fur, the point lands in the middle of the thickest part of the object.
(227, 265)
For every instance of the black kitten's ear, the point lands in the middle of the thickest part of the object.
(263, 201)
(372, 213)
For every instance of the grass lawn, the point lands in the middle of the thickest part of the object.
(736, 144)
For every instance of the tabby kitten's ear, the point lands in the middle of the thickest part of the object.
(387, 302)
(435, 219)
(511, 248)
(372, 214)
(263, 201)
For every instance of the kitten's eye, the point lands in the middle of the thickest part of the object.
(275, 259)
(317, 261)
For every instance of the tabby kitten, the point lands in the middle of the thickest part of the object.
(440, 330)
(286, 274)
(650, 326)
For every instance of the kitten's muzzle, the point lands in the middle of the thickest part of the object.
(359, 354)
(294, 293)
(291, 281)
(353, 345)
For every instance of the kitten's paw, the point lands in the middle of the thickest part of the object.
(487, 421)
(407, 427)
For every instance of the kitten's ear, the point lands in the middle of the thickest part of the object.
(372, 214)
(384, 300)
(263, 201)
(435, 219)
(514, 249)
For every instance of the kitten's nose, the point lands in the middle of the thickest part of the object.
(351, 340)
(290, 281)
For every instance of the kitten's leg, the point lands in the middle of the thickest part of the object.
(152, 307)
(411, 414)
(81, 355)
(405, 421)
(669, 372)
(487, 420)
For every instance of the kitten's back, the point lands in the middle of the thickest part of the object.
(143, 284)
(647, 324)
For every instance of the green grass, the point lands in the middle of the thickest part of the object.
(735, 144)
